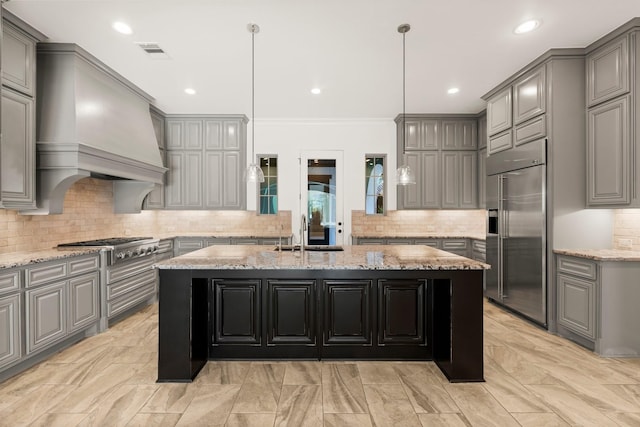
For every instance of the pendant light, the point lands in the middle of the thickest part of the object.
(254, 172)
(404, 174)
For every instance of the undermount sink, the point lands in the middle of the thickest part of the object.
(315, 248)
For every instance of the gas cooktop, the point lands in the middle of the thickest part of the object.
(113, 241)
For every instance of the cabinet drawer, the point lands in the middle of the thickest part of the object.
(479, 246)
(427, 242)
(45, 273)
(165, 245)
(9, 281)
(399, 242)
(454, 245)
(115, 290)
(531, 130)
(577, 267)
(83, 265)
(367, 241)
(500, 142)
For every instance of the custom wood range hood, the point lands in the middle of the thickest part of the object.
(91, 122)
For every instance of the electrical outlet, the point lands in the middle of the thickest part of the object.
(625, 243)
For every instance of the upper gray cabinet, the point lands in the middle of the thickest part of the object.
(18, 59)
(482, 131)
(17, 149)
(608, 71)
(529, 95)
(442, 152)
(608, 154)
(421, 134)
(459, 135)
(613, 164)
(499, 112)
(206, 160)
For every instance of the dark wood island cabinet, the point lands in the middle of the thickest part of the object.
(366, 302)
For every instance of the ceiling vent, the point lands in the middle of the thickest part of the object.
(153, 49)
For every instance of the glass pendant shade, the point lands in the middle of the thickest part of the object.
(405, 176)
(254, 173)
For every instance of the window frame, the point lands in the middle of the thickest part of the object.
(259, 196)
(374, 157)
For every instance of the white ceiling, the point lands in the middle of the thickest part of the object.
(349, 48)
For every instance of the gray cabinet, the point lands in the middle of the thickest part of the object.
(459, 246)
(499, 112)
(10, 329)
(609, 154)
(17, 149)
(531, 130)
(459, 135)
(482, 131)
(426, 193)
(18, 59)
(84, 302)
(482, 178)
(529, 95)
(456, 246)
(500, 142)
(46, 315)
(577, 288)
(613, 162)
(439, 150)
(459, 184)
(608, 71)
(206, 161)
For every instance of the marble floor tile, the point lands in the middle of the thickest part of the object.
(569, 406)
(33, 405)
(512, 395)
(211, 407)
(532, 419)
(257, 397)
(299, 373)
(58, 420)
(223, 372)
(170, 398)
(479, 406)
(347, 420)
(342, 389)
(625, 419)
(443, 420)
(250, 420)
(119, 407)
(261, 373)
(428, 397)
(154, 420)
(300, 406)
(377, 373)
(389, 406)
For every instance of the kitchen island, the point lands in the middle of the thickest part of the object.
(365, 302)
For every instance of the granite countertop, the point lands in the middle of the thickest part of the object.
(390, 257)
(601, 254)
(20, 259)
(419, 236)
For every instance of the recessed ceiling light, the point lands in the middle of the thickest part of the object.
(453, 90)
(122, 28)
(190, 91)
(527, 26)
(316, 91)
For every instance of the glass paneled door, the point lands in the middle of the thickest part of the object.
(321, 197)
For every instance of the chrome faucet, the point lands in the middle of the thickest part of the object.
(303, 228)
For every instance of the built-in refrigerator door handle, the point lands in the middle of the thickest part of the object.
(502, 232)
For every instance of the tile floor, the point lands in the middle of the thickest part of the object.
(532, 379)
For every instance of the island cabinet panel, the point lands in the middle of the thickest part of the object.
(237, 311)
(291, 311)
(347, 312)
(401, 311)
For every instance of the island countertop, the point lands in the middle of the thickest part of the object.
(388, 257)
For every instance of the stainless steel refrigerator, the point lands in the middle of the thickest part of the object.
(516, 230)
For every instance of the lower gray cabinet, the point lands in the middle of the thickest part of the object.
(456, 246)
(577, 283)
(84, 294)
(46, 315)
(10, 330)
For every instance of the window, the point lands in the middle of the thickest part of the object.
(268, 195)
(374, 185)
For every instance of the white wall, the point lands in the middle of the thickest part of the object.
(356, 138)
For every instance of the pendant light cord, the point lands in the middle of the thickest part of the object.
(253, 97)
(404, 114)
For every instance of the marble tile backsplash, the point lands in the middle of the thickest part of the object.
(88, 214)
(626, 229)
(420, 223)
